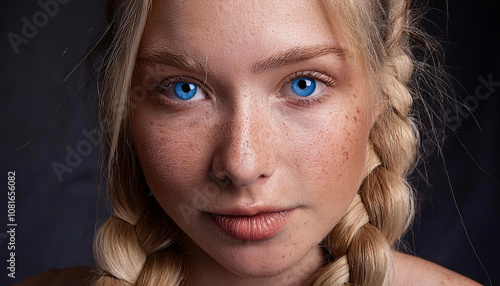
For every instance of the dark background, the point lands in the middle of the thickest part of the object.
(48, 102)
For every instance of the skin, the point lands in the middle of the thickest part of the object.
(278, 150)
(414, 271)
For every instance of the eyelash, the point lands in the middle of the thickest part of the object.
(303, 101)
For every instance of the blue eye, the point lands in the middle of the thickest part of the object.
(183, 91)
(304, 87)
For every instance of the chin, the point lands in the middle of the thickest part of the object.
(257, 261)
(264, 258)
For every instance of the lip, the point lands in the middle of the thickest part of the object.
(251, 225)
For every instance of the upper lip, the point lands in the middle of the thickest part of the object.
(251, 211)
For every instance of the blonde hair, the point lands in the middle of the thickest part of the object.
(139, 245)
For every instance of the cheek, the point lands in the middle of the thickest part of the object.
(171, 158)
(331, 159)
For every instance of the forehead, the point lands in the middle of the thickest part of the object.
(242, 29)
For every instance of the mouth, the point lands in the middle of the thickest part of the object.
(259, 226)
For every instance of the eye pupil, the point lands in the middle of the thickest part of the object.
(304, 86)
(186, 87)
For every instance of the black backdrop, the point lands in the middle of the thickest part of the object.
(46, 116)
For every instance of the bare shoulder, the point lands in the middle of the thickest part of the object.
(76, 276)
(411, 270)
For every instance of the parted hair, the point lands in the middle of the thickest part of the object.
(139, 243)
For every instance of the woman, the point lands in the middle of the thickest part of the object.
(260, 142)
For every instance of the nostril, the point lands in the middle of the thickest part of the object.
(221, 179)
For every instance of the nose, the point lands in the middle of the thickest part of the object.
(245, 153)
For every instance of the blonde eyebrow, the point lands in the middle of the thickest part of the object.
(297, 54)
(294, 55)
(171, 58)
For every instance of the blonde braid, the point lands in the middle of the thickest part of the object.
(394, 135)
(362, 241)
(157, 235)
(140, 254)
(137, 244)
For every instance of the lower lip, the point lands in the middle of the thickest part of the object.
(257, 227)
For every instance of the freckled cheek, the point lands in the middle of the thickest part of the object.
(334, 158)
(172, 160)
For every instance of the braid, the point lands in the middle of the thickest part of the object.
(394, 135)
(118, 254)
(362, 241)
(157, 235)
(144, 253)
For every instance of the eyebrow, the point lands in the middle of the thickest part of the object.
(170, 57)
(293, 55)
(297, 54)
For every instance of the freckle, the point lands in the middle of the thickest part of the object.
(346, 156)
(357, 110)
(354, 95)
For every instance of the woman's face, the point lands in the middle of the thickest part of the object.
(254, 131)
